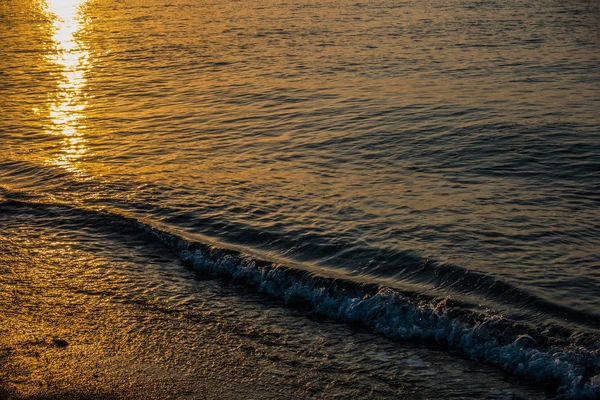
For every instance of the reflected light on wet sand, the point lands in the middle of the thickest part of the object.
(69, 100)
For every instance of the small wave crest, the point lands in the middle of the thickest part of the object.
(493, 339)
(569, 364)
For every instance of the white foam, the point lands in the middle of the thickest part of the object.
(390, 313)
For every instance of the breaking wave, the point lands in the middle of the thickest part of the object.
(567, 361)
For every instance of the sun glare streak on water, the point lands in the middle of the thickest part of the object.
(72, 57)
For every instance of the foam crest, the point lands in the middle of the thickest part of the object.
(573, 370)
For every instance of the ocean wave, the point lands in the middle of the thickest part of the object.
(570, 364)
(574, 369)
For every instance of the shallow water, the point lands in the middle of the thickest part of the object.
(134, 319)
(447, 151)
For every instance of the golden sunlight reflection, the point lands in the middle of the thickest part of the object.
(69, 101)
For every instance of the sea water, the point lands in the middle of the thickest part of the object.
(426, 172)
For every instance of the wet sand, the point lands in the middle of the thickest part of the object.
(90, 351)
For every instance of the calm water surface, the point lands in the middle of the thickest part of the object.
(429, 169)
